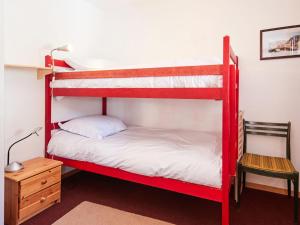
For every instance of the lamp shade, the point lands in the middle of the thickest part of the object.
(64, 48)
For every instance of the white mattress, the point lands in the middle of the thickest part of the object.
(190, 156)
(213, 81)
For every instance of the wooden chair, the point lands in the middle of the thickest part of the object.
(267, 165)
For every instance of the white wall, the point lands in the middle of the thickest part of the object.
(32, 28)
(24, 110)
(151, 32)
(1, 118)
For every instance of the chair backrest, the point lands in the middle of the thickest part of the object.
(268, 129)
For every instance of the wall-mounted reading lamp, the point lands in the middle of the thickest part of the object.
(64, 48)
(17, 166)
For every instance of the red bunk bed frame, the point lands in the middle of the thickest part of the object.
(229, 94)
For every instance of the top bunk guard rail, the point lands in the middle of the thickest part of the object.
(146, 72)
(176, 93)
(143, 72)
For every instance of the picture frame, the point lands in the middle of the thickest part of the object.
(280, 42)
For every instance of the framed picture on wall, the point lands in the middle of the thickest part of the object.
(281, 42)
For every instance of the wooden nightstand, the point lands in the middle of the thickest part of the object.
(32, 190)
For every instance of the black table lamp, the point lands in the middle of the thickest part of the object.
(17, 166)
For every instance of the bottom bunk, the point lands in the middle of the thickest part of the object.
(188, 162)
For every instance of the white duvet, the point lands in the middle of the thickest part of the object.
(195, 81)
(190, 156)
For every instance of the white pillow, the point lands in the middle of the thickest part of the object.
(96, 126)
(88, 64)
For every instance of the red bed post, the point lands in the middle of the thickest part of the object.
(235, 115)
(48, 61)
(47, 112)
(237, 108)
(233, 120)
(226, 131)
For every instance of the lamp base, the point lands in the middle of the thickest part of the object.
(14, 167)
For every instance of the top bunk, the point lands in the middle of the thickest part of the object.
(192, 82)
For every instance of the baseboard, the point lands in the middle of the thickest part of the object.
(267, 188)
(69, 173)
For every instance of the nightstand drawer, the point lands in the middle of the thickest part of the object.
(39, 196)
(39, 201)
(39, 182)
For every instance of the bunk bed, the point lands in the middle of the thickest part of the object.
(228, 93)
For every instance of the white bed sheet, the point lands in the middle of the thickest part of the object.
(190, 156)
(213, 81)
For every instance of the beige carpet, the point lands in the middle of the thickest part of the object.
(87, 213)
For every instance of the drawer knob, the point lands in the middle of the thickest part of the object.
(43, 199)
(44, 182)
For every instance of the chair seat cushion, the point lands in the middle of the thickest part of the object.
(267, 163)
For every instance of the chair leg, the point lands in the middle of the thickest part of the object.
(289, 187)
(296, 200)
(244, 180)
(239, 178)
